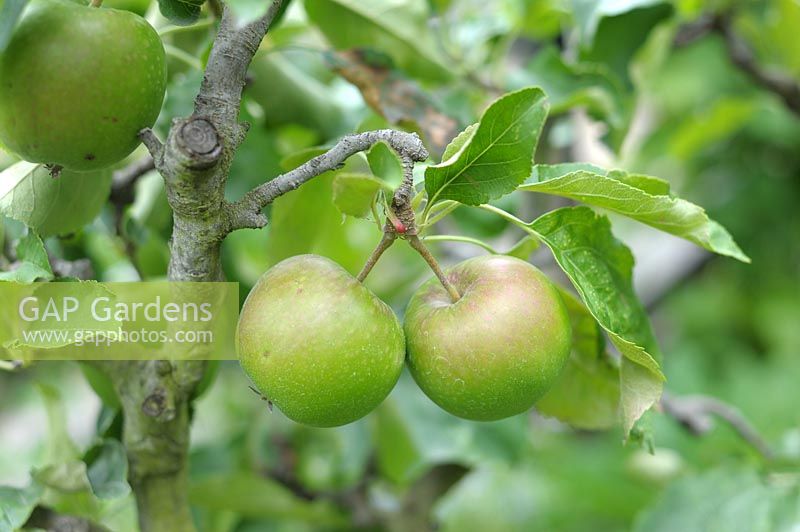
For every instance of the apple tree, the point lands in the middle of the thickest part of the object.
(344, 162)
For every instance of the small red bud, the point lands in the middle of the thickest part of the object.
(398, 226)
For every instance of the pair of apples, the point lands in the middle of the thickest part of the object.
(326, 351)
(78, 83)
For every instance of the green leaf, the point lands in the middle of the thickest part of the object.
(289, 94)
(588, 85)
(652, 185)
(181, 12)
(65, 473)
(589, 13)
(600, 267)
(108, 470)
(69, 491)
(725, 501)
(258, 497)
(64, 483)
(622, 28)
(632, 196)
(247, 11)
(457, 143)
(544, 172)
(290, 232)
(413, 434)
(60, 447)
(52, 206)
(354, 194)
(66, 477)
(780, 20)
(524, 247)
(723, 118)
(586, 395)
(16, 505)
(10, 13)
(332, 459)
(398, 29)
(107, 252)
(33, 261)
(497, 157)
(493, 498)
(384, 163)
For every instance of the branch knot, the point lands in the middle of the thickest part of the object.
(199, 143)
(157, 405)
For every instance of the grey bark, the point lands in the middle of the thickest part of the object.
(247, 211)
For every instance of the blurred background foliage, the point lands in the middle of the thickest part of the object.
(652, 86)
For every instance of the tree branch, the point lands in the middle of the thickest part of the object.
(78, 269)
(741, 55)
(785, 87)
(124, 180)
(152, 143)
(194, 161)
(695, 413)
(43, 518)
(225, 76)
(155, 400)
(246, 213)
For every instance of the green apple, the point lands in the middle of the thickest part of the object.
(137, 6)
(78, 83)
(496, 350)
(317, 344)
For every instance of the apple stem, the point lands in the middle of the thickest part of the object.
(387, 240)
(401, 223)
(96, 3)
(415, 242)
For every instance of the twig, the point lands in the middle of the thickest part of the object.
(124, 180)
(122, 194)
(693, 31)
(153, 144)
(388, 238)
(403, 198)
(742, 56)
(46, 519)
(402, 223)
(78, 269)
(246, 213)
(694, 412)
